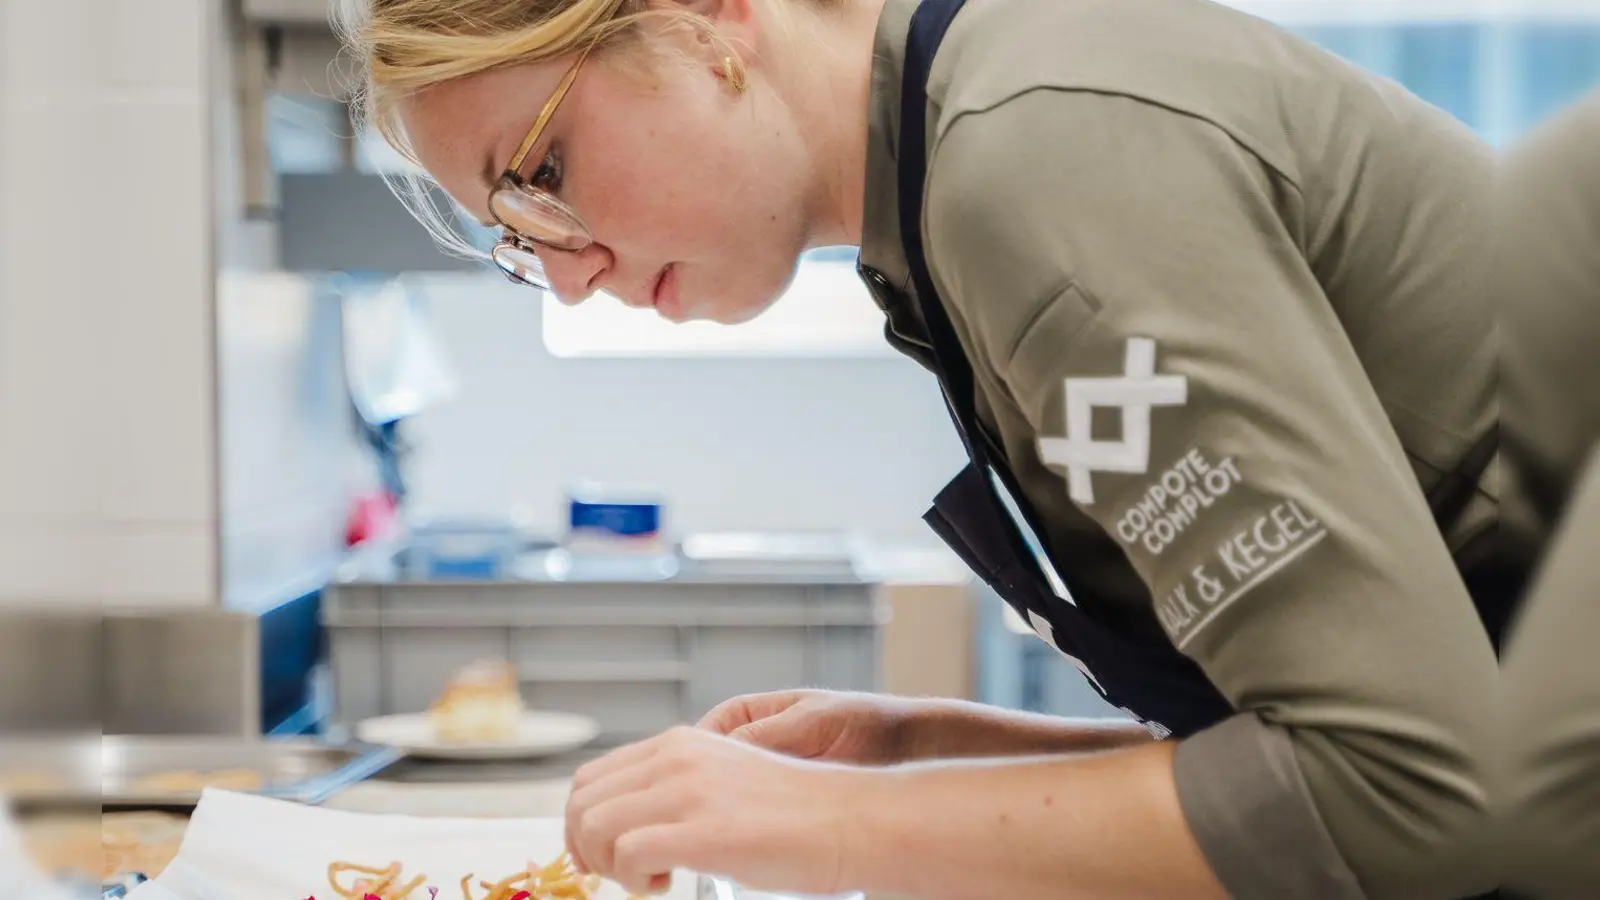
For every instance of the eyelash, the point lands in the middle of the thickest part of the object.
(548, 175)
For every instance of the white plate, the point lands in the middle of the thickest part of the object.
(541, 734)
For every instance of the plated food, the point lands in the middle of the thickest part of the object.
(480, 715)
(555, 881)
(143, 842)
(28, 784)
(245, 780)
(104, 846)
(482, 704)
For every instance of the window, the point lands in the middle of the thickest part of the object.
(1500, 78)
(1555, 64)
(826, 311)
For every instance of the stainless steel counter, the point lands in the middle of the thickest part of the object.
(536, 788)
(129, 671)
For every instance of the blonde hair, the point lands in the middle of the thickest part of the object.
(406, 46)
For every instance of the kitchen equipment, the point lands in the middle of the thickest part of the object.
(541, 734)
(817, 554)
(611, 519)
(636, 656)
(463, 548)
(304, 771)
(59, 771)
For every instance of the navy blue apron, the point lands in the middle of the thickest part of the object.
(1165, 690)
(1155, 683)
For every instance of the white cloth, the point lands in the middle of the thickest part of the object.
(241, 847)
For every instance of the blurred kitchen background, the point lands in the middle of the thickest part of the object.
(269, 462)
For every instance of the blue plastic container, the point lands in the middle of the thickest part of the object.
(602, 516)
(463, 549)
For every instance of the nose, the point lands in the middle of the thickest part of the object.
(575, 275)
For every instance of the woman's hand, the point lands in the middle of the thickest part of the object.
(863, 729)
(695, 800)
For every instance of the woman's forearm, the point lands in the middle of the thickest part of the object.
(1104, 826)
(961, 729)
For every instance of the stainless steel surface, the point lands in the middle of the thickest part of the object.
(63, 769)
(189, 671)
(129, 671)
(441, 772)
(532, 567)
(301, 770)
(52, 668)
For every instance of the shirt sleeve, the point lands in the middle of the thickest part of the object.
(1127, 275)
(1550, 787)
(1548, 242)
(1549, 804)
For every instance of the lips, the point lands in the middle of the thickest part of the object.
(655, 287)
(664, 293)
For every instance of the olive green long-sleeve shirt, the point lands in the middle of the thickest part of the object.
(1548, 808)
(1548, 265)
(1549, 785)
(1225, 297)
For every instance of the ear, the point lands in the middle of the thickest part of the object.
(734, 19)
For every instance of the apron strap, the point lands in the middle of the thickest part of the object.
(929, 23)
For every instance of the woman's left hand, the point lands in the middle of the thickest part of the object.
(695, 800)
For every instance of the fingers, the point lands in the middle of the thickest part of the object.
(787, 733)
(734, 714)
(624, 769)
(645, 858)
(617, 760)
(599, 830)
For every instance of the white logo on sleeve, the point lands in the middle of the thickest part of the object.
(1137, 390)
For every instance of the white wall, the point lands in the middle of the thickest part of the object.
(287, 441)
(107, 464)
(762, 444)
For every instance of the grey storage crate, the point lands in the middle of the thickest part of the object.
(638, 657)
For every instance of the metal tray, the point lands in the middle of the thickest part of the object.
(51, 772)
(301, 770)
(305, 771)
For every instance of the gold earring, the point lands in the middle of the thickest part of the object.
(734, 72)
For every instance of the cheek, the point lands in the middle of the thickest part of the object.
(664, 186)
(691, 179)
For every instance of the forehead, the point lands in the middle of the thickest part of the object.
(458, 127)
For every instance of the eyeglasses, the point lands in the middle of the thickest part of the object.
(531, 217)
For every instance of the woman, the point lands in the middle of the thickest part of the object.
(1548, 786)
(1548, 809)
(1207, 302)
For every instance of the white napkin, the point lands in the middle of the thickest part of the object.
(242, 847)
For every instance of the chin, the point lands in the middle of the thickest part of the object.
(740, 306)
(725, 311)
(739, 315)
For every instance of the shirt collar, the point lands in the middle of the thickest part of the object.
(887, 274)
